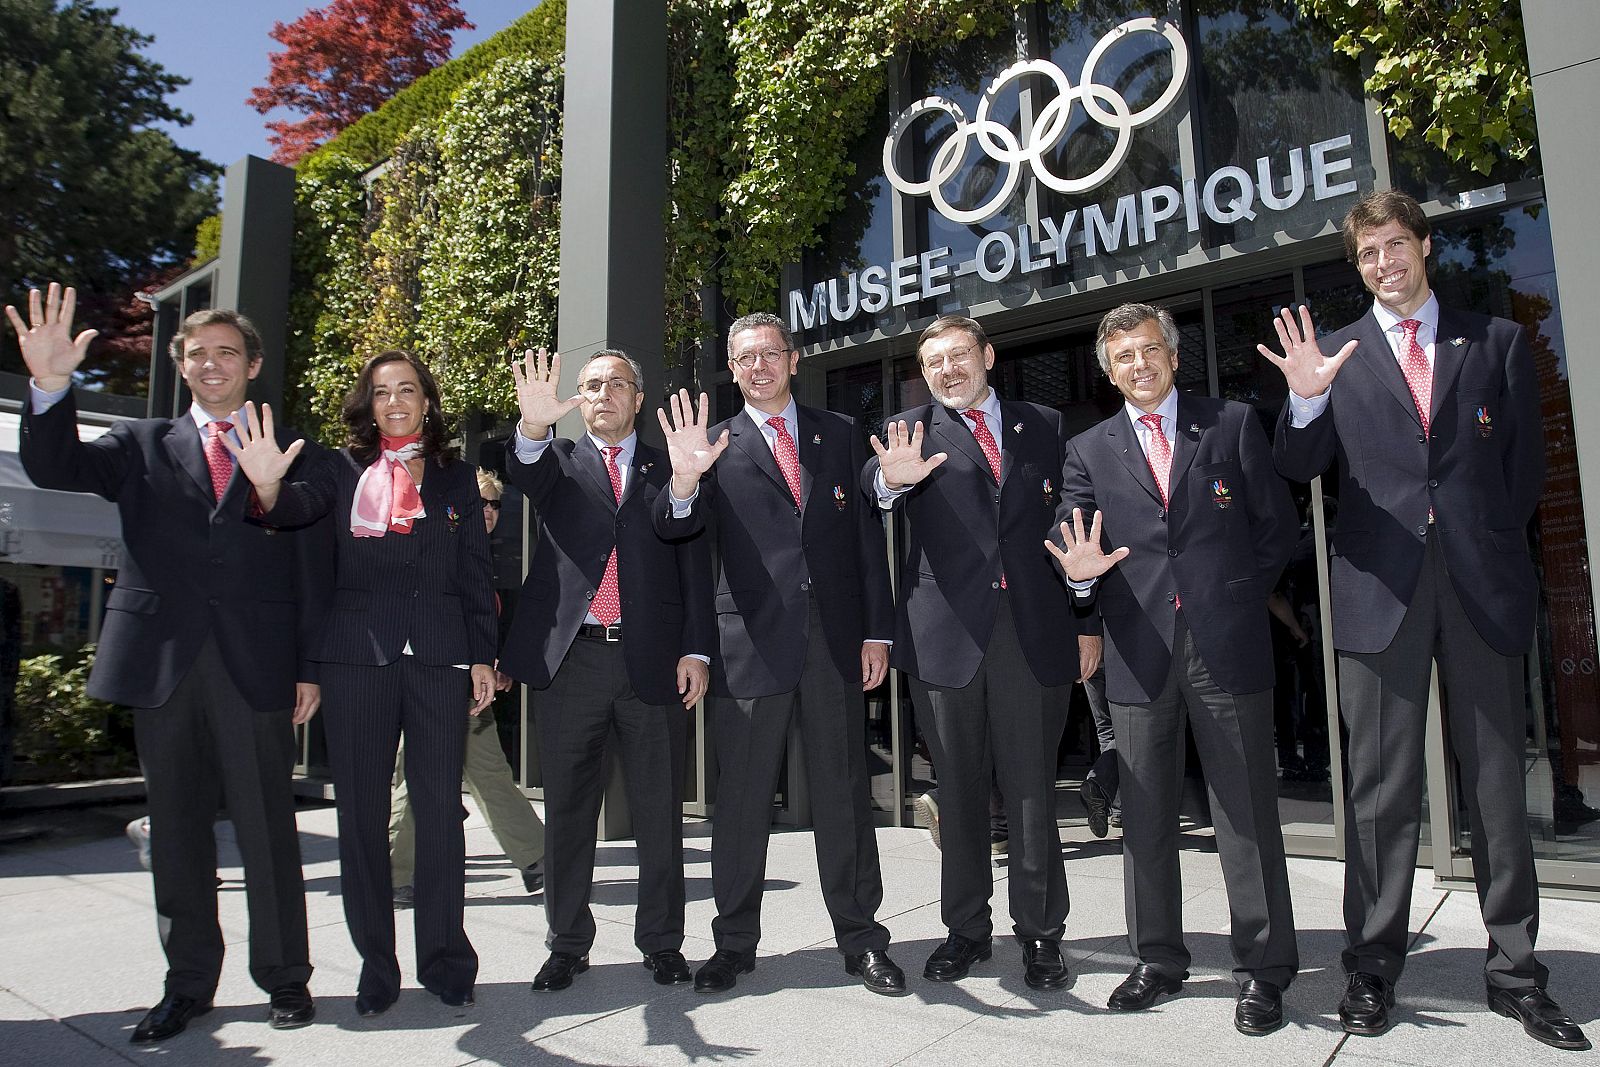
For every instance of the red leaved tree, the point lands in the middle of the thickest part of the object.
(344, 60)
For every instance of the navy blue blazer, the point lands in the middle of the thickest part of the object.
(664, 586)
(1480, 467)
(964, 531)
(432, 587)
(195, 567)
(1219, 548)
(775, 557)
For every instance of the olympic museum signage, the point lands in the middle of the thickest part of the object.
(1230, 194)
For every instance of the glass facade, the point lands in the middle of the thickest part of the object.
(1262, 101)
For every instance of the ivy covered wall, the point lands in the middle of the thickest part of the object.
(452, 246)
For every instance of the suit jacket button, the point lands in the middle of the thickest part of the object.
(218, 521)
(1422, 438)
(994, 585)
(1422, 531)
(414, 594)
(591, 594)
(1172, 552)
(1172, 598)
(212, 602)
(805, 587)
(997, 498)
(1433, 483)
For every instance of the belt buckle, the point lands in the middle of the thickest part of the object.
(613, 633)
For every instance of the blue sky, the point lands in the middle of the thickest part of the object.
(221, 46)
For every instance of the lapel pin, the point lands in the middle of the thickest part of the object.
(1017, 428)
(1458, 341)
(816, 439)
(1194, 427)
(644, 468)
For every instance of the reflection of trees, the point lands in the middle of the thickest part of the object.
(1470, 265)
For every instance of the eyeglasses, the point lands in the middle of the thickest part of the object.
(596, 386)
(492, 505)
(771, 357)
(955, 358)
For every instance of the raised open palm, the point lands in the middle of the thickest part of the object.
(48, 347)
(537, 375)
(1308, 372)
(692, 453)
(1083, 559)
(901, 461)
(262, 461)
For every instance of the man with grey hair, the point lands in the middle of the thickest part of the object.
(1186, 486)
(804, 615)
(613, 632)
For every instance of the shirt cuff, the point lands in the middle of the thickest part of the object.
(877, 641)
(887, 496)
(681, 508)
(1081, 589)
(43, 401)
(703, 659)
(1302, 411)
(529, 451)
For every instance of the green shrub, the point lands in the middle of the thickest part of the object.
(63, 734)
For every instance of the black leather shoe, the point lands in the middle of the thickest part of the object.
(168, 1018)
(668, 966)
(1141, 988)
(1364, 1008)
(955, 957)
(1097, 804)
(1542, 1018)
(292, 1007)
(457, 998)
(877, 972)
(533, 878)
(370, 1004)
(1259, 1009)
(721, 972)
(1042, 965)
(558, 971)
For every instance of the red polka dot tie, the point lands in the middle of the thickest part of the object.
(607, 605)
(788, 459)
(1159, 454)
(991, 451)
(218, 458)
(1414, 365)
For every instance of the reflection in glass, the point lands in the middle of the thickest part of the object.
(1242, 318)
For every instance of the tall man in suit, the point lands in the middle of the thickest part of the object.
(1185, 484)
(804, 617)
(207, 637)
(987, 632)
(1434, 421)
(613, 631)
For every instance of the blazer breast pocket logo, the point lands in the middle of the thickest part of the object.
(452, 517)
(1049, 491)
(1483, 421)
(1221, 494)
(839, 500)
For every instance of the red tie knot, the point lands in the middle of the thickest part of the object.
(1152, 421)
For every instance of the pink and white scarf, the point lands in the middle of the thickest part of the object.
(386, 496)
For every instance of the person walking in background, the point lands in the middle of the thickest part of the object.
(207, 636)
(1432, 417)
(407, 650)
(486, 772)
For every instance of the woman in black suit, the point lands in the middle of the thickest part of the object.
(406, 650)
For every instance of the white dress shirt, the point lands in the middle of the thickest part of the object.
(1302, 411)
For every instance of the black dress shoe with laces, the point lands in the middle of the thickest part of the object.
(168, 1018)
(1364, 1008)
(951, 960)
(1141, 988)
(721, 972)
(1042, 965)
(668, 966)
(533, 878)
(370, 1004)
(1097, 804)
(558, 971)
(456, 998)
(877, 972)
(292, 1007)
(1259, 1009)
(1542, 1018)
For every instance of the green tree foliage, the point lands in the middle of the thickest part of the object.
(92, 193)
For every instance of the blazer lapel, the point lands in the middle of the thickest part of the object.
(587, 458)
(809, 446)
(1121, 439)
(1009, 439)
(645, 459)
(954, 430)
(1186, 443)
(1448, 359)
(753, 443)
(183, 445)
(1375, 354)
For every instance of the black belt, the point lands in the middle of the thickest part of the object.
(595, 632)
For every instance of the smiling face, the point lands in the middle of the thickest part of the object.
(766, 382)
(611, 398)
(1393, 265)
(216, 368)
(956, 368)
(1143, 367)
(398, 403)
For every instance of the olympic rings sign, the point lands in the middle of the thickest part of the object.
(1101, 103)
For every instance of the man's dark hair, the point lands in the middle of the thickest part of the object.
(945, 323)
(213, 317)
(1379, 209)
(755, 321)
